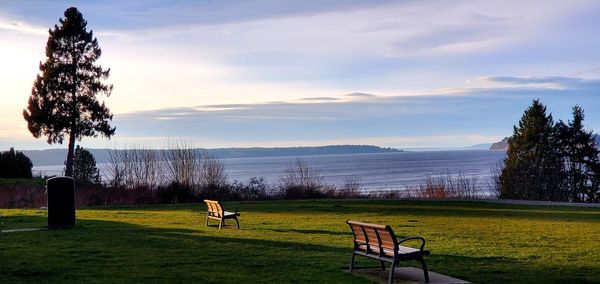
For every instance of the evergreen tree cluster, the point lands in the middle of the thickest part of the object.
(14, 164)
(551, 161)
(84, 167)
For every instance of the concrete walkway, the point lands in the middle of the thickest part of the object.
(509, 201)
(543, 203)
(21, 230)
(406, 275)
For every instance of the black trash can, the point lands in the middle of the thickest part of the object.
(61, 202)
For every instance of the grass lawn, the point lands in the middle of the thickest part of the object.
(302, 242)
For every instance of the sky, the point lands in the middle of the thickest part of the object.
(404, 74)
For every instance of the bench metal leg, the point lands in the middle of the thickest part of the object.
(207, 221)
(237, 222)
(391, 277)
(221, 223)
(382, 265)
(352, 262)
(425, 272)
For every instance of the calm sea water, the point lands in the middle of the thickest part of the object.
(387, 171)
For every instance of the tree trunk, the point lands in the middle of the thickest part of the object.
(70, 155)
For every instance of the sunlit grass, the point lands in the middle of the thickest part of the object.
(301, 241)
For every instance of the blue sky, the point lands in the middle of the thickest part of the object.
(282, 73)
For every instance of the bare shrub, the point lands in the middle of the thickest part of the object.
(301, 181)
(152, 171)
(212, 172)
(183, 164)
(463, 186)
(134, 168)
(352, 188)
(382, 193)
(256, 189)
(213, 178)
(115, 170)
(433, 188)
(494, 182)
(459, 186)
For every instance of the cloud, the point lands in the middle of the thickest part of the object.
(548, 81)
(251, 71)
(460, 118)
(474, 112)
(360, 95)
(22, 27)
(320, 99)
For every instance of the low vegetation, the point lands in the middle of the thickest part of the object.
(134, 178)
(301, 241)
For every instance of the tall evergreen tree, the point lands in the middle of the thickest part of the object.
(579, 152)
(532, 168)
(63, 98)
(84, 167)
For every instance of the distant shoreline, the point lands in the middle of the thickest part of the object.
(51, 157)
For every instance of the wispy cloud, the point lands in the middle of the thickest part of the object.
(320, 99)
(548, 81)
(474, 112)
(266, 71)
(360, 95)
(22, 27)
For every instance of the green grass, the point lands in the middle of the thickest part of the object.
(301, 242)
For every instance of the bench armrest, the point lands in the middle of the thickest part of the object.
(414, 238)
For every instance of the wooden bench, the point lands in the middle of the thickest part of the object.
(216, 211)
(379, 242)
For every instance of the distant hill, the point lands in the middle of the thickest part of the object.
(57, 156)
(502, 145)
(480, 146)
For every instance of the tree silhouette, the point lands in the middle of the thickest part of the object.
(84, 167)
(14, 164)
(63, 98)
(579, 152)
(532, 167)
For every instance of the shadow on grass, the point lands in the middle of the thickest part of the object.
(121, 252)
(106, 251)
(22, 222)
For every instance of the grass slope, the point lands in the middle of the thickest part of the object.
(301, 241)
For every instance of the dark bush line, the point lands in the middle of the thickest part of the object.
(255, 189)
(14, 164)
(191, 177)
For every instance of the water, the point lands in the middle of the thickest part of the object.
(386, 171)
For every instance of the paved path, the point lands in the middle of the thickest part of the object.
(512, 201)
(407, 275)
(21, 230)
(544, 203)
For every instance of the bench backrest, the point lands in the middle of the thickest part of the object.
(377, 238)
(214, 207)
